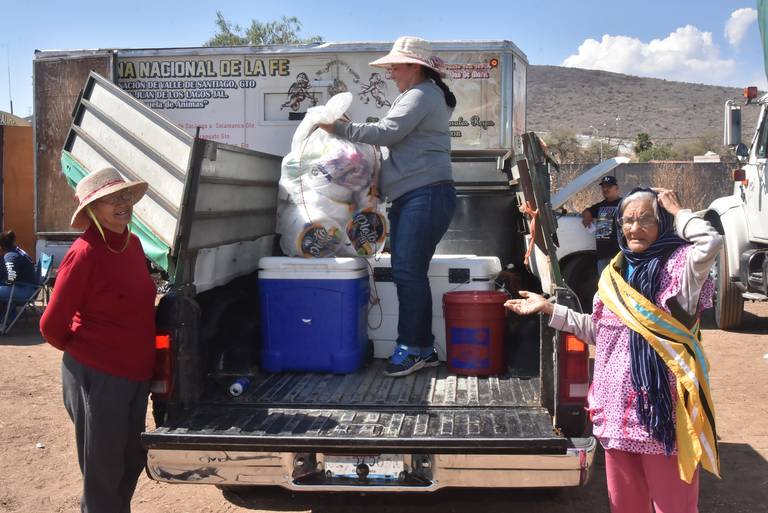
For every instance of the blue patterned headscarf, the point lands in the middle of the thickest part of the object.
(649, 372)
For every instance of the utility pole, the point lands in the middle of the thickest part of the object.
(8, 60)
(601, 141)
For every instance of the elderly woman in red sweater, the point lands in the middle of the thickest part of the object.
(101, 315)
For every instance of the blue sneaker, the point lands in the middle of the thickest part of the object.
(429, 355)
(404, 361)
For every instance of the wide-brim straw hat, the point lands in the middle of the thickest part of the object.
(411, 50)
(97, 185)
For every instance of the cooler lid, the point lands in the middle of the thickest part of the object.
(305, 265)
(484, 267)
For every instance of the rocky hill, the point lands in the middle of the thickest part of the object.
(674, 112)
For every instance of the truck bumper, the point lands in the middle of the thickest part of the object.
(424, 472)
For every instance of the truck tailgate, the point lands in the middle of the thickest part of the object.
(430, 410)
(525, 430)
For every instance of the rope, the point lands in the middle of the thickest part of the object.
(374, 300)
(533, 214)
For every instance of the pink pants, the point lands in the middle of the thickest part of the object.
(635, 481)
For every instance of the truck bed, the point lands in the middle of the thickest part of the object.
(369, 387)
(429, 410)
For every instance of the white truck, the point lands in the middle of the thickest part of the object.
(741, 272)
(209, 216)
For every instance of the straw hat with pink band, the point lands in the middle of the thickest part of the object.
(98, 185)
(411, 50)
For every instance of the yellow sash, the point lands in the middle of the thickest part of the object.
(680, 348)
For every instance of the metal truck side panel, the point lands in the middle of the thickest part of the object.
(236, 197)
(110, 128)
(201, 194)
(586, 179)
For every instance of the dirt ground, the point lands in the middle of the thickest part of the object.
(40, 473)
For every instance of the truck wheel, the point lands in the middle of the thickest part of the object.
(580, 274)
(729, 305)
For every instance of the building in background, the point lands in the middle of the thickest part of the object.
(17, 205)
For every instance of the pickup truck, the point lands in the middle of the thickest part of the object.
(209, 215)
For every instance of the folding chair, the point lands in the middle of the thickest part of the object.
(19, 302)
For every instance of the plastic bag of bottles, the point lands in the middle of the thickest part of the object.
(328, 204)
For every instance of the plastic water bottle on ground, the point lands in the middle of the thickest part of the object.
(239, 386)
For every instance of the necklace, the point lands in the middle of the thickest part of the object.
(104, 237)
(125, 246)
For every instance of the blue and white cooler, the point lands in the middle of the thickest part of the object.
(313, 314)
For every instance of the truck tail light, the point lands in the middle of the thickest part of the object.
(750, 93)
(574, 369)
(739, 175)
(162, 380)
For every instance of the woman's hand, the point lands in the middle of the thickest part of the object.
(668, 200)
(530, 304)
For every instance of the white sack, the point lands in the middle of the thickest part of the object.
(327, 205)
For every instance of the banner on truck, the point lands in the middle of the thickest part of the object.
(257, 101)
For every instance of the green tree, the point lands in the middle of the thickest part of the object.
(662, 151)
(643, 142)
(284, 31)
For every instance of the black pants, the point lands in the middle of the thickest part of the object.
(109, 415)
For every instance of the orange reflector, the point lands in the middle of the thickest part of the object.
(750, 92)
(574, 344)
(162, 341)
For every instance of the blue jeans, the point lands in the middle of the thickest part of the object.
(20, 294)
(418, 220)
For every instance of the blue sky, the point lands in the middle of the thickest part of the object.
(708, 41)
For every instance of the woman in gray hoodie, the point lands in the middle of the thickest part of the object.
(416, 177)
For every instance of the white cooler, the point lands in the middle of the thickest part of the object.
(447, 273)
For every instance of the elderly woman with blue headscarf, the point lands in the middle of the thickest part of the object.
(650, 402)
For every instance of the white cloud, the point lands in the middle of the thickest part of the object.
(738, 23)
(687, 55)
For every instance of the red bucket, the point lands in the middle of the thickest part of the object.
(475, 323)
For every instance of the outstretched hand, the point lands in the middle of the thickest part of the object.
(530, 303)
(668, 200)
